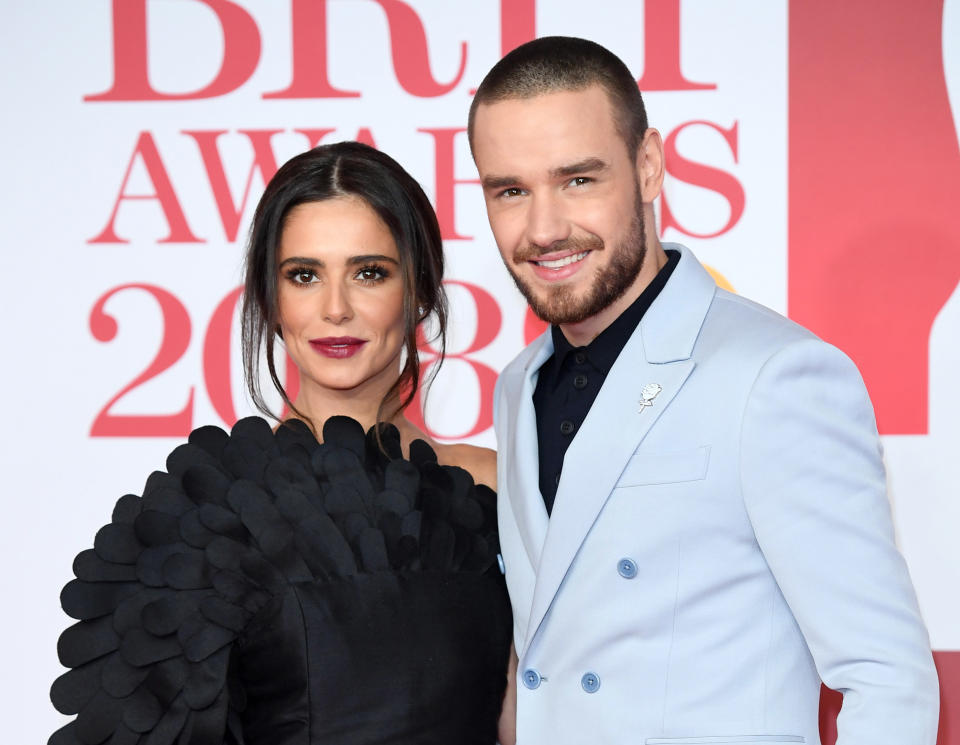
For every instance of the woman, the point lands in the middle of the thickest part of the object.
(307, 584)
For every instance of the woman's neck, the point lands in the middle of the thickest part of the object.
(319, 404)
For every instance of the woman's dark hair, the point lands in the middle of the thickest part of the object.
(344, 169)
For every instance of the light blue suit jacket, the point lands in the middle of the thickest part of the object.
(713, 556)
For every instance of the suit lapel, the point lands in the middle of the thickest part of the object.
(658, 352)
(523, 455)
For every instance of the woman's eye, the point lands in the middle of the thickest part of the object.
(304, 276)
(371, 274)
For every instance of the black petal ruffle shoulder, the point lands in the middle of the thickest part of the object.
(268, 588)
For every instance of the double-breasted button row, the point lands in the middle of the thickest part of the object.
(590, 682)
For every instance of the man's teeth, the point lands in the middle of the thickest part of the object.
(557, 263)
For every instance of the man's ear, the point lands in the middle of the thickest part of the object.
(649, 165)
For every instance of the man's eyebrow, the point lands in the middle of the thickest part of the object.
(499, 182)
(587, 165)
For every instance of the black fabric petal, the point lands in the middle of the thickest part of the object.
(139, 648)
(74, 689)
(344, 432)
(200, 639)
(186, 571)
(206, 483)
(209, 439)
(421, 453)
(93, 599)
(126, 509)
(169, 499)
(89, 567)
(99, 718)
(165, 616)
(86, 641)
(120, 678)
(155, 528)
(142, 711)
(117, 542)
(187, 456)
(206, 680)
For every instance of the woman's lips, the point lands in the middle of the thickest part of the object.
(337, 347)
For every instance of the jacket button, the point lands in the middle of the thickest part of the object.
(590, 682)
(531, 678)
(627, 568)
(503, 568)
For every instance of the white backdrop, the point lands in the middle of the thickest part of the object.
(154, 187)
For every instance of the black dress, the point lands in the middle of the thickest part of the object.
(271, 589)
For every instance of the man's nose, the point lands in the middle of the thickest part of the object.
(547, 222)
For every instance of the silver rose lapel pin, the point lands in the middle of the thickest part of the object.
(650, 391)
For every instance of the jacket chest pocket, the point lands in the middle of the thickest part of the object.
(666, 468)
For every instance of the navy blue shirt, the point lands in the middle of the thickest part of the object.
(571, 378)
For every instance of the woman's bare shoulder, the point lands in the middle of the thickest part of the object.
(480, 462)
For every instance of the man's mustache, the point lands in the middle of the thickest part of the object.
(573, 245)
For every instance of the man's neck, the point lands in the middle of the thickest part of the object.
(582, 333)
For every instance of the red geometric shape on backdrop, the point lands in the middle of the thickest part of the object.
(874, 174)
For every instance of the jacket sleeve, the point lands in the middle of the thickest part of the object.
(814, 487)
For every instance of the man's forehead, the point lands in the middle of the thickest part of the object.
(550, 131)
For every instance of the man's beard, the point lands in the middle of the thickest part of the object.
(558, 305)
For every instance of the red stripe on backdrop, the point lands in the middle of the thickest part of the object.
(874, 174)
(948, 665)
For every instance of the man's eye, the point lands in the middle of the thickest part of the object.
(513, 191)
(580, 180)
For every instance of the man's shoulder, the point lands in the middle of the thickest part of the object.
(744, 321)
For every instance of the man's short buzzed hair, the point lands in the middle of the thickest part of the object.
(565, 63)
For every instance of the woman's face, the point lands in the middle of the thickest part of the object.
(340, 296)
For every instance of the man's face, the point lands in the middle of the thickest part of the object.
(565, 201)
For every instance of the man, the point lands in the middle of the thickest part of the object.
(692, 503)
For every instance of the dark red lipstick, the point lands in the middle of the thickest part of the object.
(338, 347)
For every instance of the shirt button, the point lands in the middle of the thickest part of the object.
(566, 427)
(579, 358)
(627, 568)
(590, 682)
(580, 382)
(531, 678)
